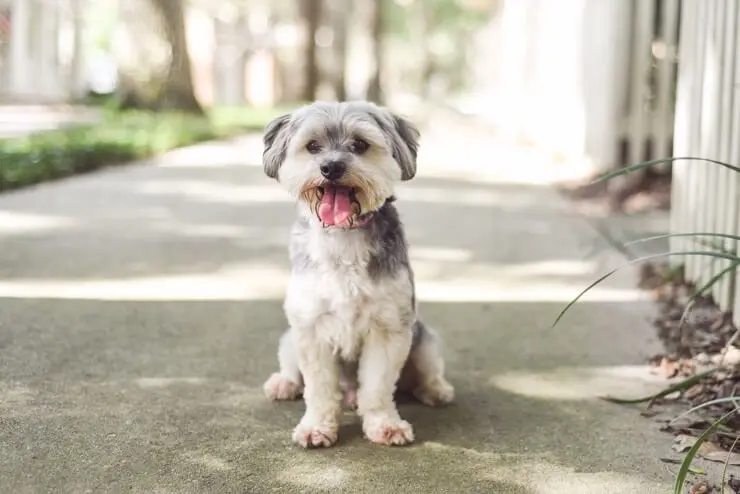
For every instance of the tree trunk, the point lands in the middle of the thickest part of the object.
(375, 85)
(311, 14)
(177, 92)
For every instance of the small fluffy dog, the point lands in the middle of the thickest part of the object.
(350, 303)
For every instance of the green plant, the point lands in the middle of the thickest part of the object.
(716, 251)
(120, 136)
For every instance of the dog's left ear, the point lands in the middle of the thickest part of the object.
(405, 145)
(404, 141)
(275, 140)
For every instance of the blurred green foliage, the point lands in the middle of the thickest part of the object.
(442, 15)
(119, 137)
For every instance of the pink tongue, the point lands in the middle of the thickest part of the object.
(335, 207)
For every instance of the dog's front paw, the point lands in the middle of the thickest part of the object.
(279, 387)
(315, 436)
(387, 430)
(435, 394)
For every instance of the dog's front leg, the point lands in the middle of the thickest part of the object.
(383, 356)
(319, 426)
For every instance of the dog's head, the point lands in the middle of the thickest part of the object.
(340, 159)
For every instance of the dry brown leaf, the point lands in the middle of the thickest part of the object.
(701, 487)
(682, 443)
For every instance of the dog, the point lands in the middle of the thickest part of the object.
(355, 337)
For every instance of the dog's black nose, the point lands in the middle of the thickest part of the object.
(333, 170)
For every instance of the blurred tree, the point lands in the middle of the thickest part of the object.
(340, 13)
(311, 16)
(153, 58)
(376, 16)
(178, 91)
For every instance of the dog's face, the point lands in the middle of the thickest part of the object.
(341, 160)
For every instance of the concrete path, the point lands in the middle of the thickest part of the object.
(140, 309)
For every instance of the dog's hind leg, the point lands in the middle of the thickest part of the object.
(423, 374)
(286, 384)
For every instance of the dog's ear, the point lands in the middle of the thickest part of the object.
(405, 146)
(404, 140)
(275, 140)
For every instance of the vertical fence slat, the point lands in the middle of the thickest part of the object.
(687, 69)
(643, 37)
(726, 204)
(732, 220)
(666, 75)
(696, 185)
(713, 114)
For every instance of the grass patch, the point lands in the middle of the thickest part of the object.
(120, 137)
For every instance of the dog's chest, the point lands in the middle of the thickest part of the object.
(337, 298)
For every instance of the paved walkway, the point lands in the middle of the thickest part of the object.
(140, 309)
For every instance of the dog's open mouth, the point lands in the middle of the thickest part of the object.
(338, 205)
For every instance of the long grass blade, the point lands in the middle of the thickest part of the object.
(718, 255)
(716, 401)
(673, 235)
(686, 464)
(727, 462)
(679, 386)
(647, 164)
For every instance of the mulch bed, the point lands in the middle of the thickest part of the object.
(652, 194)
(698, 341)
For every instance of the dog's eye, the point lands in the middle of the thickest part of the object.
(359, 146)
(313, 147)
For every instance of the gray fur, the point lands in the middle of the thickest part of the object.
(275, 140)
(404, 138)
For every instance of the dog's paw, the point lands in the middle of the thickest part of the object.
(315, 436)
(435, 394)
(279, 387)
(388, 431)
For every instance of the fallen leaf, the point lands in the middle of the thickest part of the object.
(702, 487)
(682, 443)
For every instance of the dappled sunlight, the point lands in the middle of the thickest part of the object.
(581, 383)
(264, 280)
(24, 223)
(208, 191)
(209, 154)
(210, 462)
(468, 196)
(314, 476)
(164, 382)
(258, 281)
(540, 474)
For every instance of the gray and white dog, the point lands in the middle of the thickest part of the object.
(350, 303)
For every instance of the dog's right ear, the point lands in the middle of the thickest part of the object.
(275, 140)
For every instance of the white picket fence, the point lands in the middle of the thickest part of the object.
(705, 196)
(647, 130)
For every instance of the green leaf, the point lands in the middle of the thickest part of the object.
(646, 164)
(679, 386)
(717, 255)
(671, 235)
(716, 401)
(691, 454)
